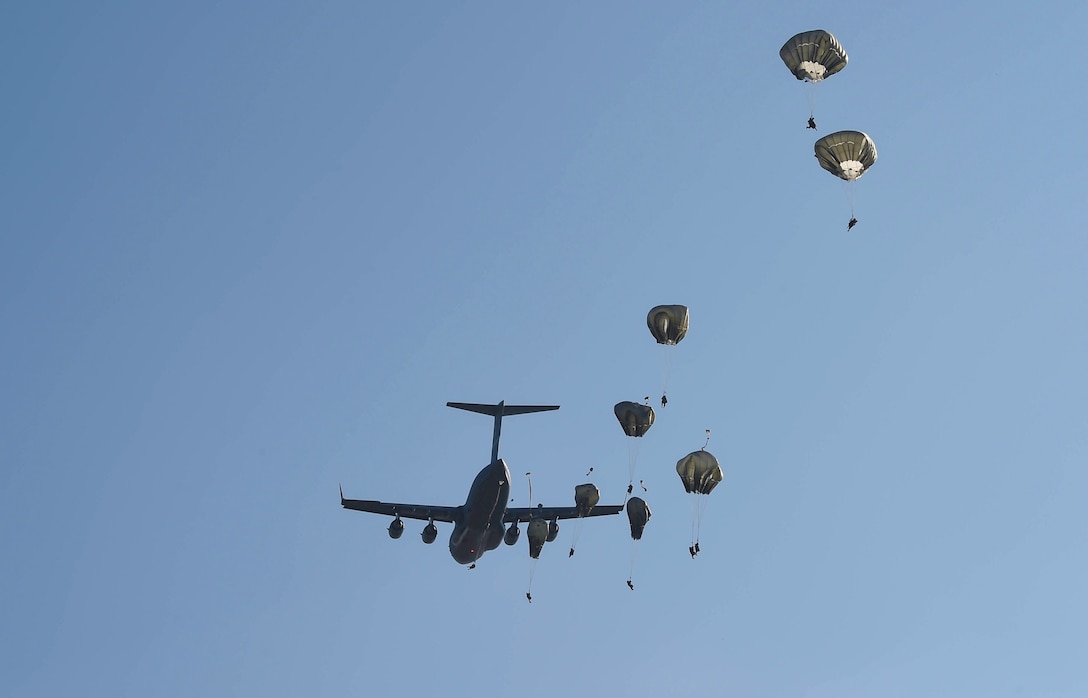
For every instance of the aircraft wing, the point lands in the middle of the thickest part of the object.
(549, 513)
(423, 512)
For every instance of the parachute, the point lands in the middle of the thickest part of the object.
(668, 324)
(537, 533)
(847, 155)
(635, 420)
(700, 473)
(585, 498)
(813, 56)
(638, 513)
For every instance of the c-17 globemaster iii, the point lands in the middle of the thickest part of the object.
(478, 523)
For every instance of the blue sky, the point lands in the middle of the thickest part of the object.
(248, 251)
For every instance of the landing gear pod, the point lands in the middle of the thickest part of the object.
(512, 534)
(430, 532)
(537, 535)
(586, 497)
(553, 530)
(396, 529)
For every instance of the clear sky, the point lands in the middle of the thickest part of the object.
(249, 250)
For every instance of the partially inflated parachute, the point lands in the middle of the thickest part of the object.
(638, 513)
(585, 498)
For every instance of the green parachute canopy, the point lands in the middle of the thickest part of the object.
(813, 55)
(699, 471)
(638, 513)
(846, 154)
(668, 323)
(634, 418)
(586, 497)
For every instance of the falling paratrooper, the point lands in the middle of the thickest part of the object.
(668, 324)
(847, 155)
(812, 57)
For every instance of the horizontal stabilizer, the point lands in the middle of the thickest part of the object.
(501, 409)
(498, 412)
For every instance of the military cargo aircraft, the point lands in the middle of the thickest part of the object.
(478, 523)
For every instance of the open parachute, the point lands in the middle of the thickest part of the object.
(635, 420)
(700, 473)
(847, 155)
(668, 324)
(813, 56)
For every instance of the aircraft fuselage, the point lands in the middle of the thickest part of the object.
(479, 526)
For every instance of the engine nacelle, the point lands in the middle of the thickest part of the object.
(512, 534)
(396, 529)
(430, 532)
(553, 530)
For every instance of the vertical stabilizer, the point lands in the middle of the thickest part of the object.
(498, 412)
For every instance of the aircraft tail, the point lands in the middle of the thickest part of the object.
(498, 412)
(501, 409)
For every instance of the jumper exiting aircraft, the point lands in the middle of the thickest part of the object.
(478, 523)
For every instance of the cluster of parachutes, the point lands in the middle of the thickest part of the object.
(812, 57)
(699, 471)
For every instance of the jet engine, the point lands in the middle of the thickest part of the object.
(396, 529)
(553, 530)
(430, 532)
(512, 534)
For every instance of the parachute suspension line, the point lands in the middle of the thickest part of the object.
(848, 189)
(666, 369)
(633, 445)
(532, 573)
(532, 561)
(631, 574)
(810, 96)
(694, 523)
